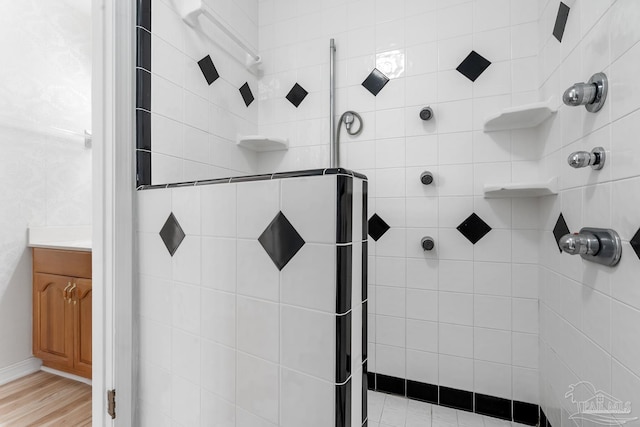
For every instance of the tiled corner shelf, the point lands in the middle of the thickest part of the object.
(263, 143)
(521, 189)
(521, 117)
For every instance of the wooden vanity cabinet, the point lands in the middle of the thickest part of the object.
(62, 309)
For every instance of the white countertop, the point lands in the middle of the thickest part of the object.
(66, 238)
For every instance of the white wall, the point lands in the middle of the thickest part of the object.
(589, 314)
(46, 179)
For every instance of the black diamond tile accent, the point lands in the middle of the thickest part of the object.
(281, 241)
(208, 69)
(635, 243)
(377, 227)
(246, 93)
(473, 65)
(493, 406)
(474, 228)
(172, 234)
(297, 94)
(561, 21)
(526, 413)
(560, 230)
(375, 81)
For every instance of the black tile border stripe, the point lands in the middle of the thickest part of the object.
(144, 14)
(365, 271)
(143, 130)
(365, 389)
(526, 413)
(143, 89)
(344, 278)
(343, 404)
(344, 217)
(492, 406)
(454, 398)
(262, 177)
(365, 322)
(521, 412)
(143, 54)
(143, 167)
(343, 348)
(365, 207)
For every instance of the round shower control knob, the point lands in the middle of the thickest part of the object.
(426, 177)
(426, 113)
(427, 243)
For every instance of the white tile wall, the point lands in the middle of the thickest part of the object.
(586, 311)
(194, 126)
(225, 337)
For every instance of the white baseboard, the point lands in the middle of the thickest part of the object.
(19, 370)
(66, 375)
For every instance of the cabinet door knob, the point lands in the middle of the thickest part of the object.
(71, 293)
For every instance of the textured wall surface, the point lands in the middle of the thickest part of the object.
(45, 82)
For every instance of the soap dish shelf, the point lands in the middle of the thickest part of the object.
(263, 143)
(521, 117)
(521, 189)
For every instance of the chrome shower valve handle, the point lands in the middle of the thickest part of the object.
(599, 245)
(591, 94)
(581, 159)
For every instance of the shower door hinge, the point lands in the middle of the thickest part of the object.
(111, 403)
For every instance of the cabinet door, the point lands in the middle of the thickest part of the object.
(52, 321)
(82, 311)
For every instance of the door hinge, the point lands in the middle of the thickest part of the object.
(111, 403)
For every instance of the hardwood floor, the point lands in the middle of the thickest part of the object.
(43, 399)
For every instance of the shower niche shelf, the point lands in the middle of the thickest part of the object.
(521, 189)
(521, 117)
(262, 143)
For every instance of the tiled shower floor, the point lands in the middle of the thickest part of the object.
(393, 411)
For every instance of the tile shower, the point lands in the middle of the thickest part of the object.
(494, 320)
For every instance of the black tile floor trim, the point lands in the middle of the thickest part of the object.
(389, 384)
(422, 391)
(492, 406)
(526, 413)
(343, 404)
(261, 177)
(544, 421)
(454, 398)
(344, 215)
(144, 14)
(561, 21)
